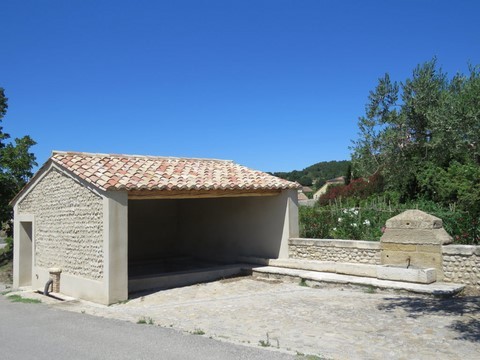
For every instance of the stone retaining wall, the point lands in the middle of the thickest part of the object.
(461, 264)
(351, 251)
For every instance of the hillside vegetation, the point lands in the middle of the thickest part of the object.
(316, 174)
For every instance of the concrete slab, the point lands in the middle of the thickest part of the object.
(365, 270)
(327, 266)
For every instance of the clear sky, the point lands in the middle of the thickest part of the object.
(275, 85)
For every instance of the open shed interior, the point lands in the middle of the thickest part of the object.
(174, 235)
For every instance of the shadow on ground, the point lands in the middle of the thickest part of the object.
(467, 307)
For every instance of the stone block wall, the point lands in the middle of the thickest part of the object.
(68, 225)
(351, 251)
(461, 264)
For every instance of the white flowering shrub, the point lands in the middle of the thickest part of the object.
(366, 220)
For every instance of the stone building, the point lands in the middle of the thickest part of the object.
(112, 222)
(323, 190)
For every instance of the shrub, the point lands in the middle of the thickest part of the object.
(6, 254)
(314, 223)
(344, 221)
(357, 189)
(365, 220)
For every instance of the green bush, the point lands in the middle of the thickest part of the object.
(345, 221)
(314, 223)
(366, 220)
(6, 254)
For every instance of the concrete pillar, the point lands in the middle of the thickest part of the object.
(116, 246)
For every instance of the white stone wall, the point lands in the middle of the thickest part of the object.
(68, 226)
(351, 251)
(461, 264)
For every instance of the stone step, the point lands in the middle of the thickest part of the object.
(437, 288)
(383, 272)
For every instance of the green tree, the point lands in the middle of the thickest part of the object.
(423, 136)
(16, 163)
(348, 174)
(316, 174)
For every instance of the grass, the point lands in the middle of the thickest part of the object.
(266, 343)
(120, 302)
(145, 321)
(301, 356)
(18, 298)
(303, 282)
(370, 289)
(198, 332)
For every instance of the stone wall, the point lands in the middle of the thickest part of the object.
(68, 225)
(461, 264)
(351, 251)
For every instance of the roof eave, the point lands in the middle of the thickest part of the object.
(198, 194)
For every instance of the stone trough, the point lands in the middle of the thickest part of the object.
(414, 275)
(383, 272)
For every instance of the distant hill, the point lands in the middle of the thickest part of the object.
(316, 174)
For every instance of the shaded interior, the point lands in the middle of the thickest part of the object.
(166, 236)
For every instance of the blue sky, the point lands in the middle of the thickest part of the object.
(275, 85)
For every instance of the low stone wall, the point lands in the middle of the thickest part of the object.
(461, 265)
(351, 251)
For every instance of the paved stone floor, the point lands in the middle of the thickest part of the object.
(332, 322)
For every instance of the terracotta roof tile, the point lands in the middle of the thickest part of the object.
(134, 172)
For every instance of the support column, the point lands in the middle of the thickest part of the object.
(116, 246)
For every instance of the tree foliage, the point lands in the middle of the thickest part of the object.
(16, 163)
(316, 174)
(423, 135)
(356, 190)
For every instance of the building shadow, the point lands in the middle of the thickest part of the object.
(467, 307)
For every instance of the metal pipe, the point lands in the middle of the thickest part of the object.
(47, 285)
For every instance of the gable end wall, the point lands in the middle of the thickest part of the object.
(68, 225)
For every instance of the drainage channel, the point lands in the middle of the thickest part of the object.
(49, 295)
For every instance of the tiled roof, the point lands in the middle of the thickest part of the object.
(134, 172)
